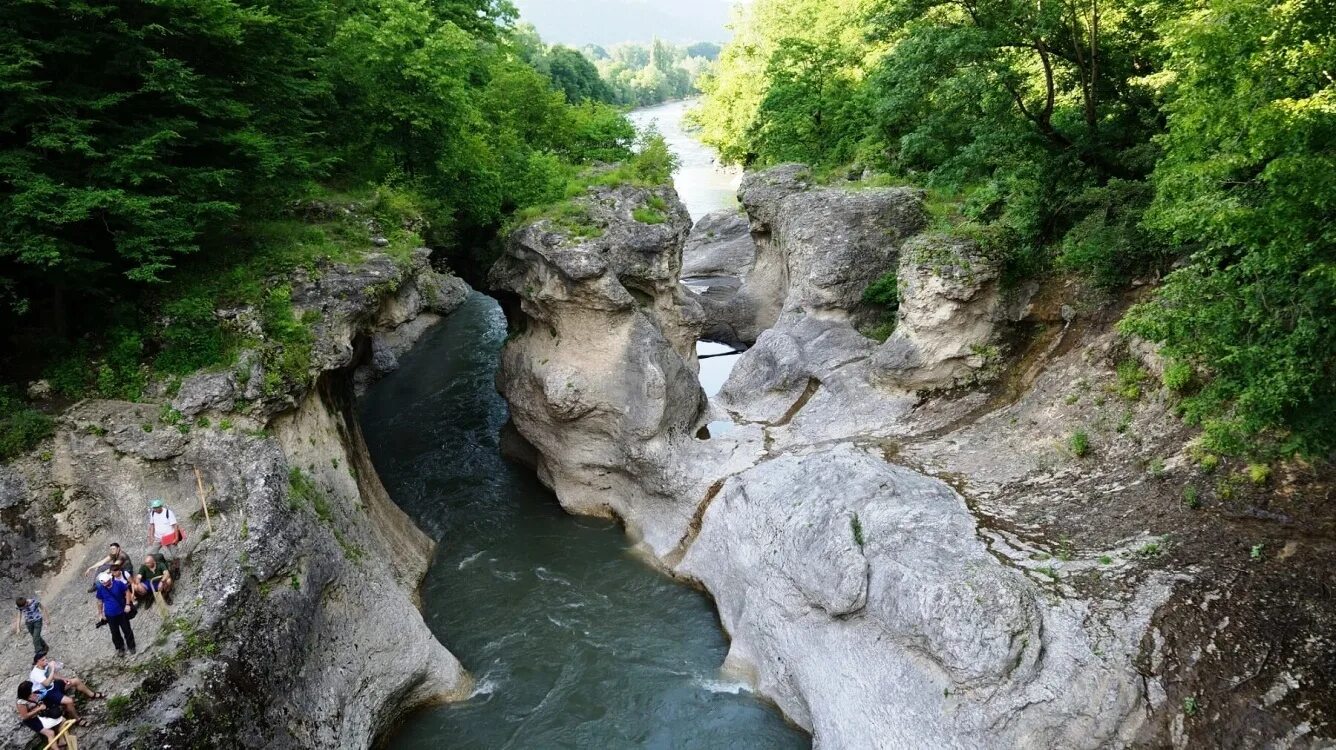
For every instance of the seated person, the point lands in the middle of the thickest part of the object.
(36, 715)
(47, 680)
(114, 555)
(122, 572)
(154, 575)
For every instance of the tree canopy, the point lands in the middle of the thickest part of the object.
(1111, 138)
(149, 149)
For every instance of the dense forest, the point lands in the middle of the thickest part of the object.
(644, 74)
(162, 161)
(629, 74)
(1191, 145)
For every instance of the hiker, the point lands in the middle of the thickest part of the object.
(32, 613)
(46, 678)
(114, 555)
(154, 576)
(37, 715)
(163, 531)
(114, 602)
(121, 573)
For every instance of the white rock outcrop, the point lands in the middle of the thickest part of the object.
(295, 622)
(867, 599)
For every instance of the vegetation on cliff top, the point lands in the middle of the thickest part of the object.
(1113, 138)
(158, 161)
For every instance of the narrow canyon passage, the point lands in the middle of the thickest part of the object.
(573, 641)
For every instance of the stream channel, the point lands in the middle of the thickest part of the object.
(573, 641)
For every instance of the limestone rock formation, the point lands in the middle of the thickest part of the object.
(869, 599)
(720, 244)
(600, 370)
(859, 596)
(949, 307)
(817, 249)
(297, 600)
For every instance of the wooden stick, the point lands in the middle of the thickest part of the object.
(199, 483)
(70, 741)
(159, 598)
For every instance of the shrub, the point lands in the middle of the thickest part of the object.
(884, 291)
(288, 351)
(21, 426)
(654, 163)
(1079, 443)
(119, 708)
(1177, 376)
(1259, 473)
(881, 331)
(192, 338)
(1130, 378)
(1107, 245)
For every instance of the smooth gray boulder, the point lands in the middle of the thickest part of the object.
(720, 244)
(860, 597)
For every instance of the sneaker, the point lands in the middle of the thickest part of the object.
(120, 654)
(133, 652)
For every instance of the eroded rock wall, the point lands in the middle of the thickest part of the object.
(295, 622)
(872, 601)
(600, 369)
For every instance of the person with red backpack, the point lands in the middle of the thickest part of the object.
(164, 533)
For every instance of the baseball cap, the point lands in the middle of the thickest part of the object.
(157, 503)
(103, 577)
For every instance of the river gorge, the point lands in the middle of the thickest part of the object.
(676, 480)
(573, 640)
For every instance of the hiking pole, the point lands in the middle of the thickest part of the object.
(199, 483)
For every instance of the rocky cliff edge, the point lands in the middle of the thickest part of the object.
(294, 624)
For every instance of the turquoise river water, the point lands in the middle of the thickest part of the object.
(574, 642)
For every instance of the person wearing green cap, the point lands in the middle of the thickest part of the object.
(163, 532)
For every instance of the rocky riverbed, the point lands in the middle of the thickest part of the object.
(888, 529)
(906, 541)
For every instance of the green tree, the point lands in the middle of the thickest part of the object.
(575, 75)
(131, 132)
(1248, 180)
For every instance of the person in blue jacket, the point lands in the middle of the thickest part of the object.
(115, 601)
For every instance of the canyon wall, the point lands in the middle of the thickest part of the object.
(294, 623)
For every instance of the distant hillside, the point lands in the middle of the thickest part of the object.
(605, 22)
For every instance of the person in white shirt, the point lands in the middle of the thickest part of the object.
(53, 688)
(163, 531)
